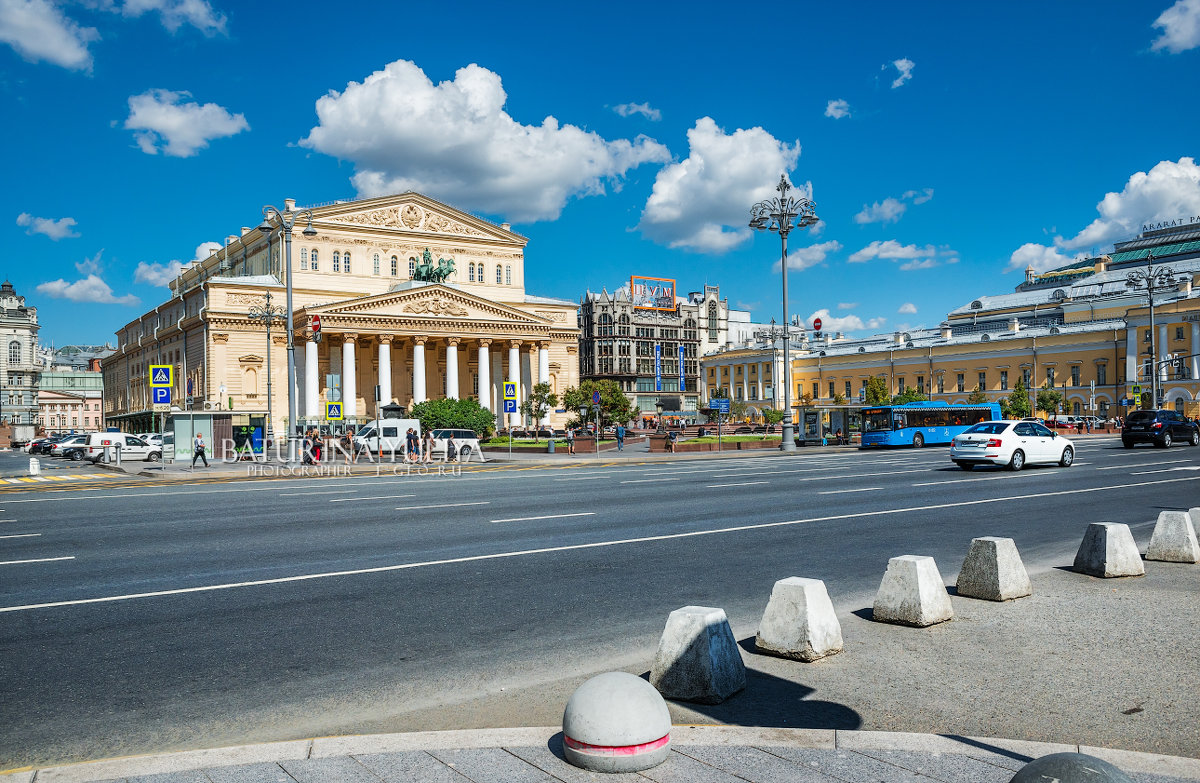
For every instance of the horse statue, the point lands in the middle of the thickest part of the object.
(425, 271)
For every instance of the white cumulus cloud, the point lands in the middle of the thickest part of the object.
(454, 141)
(644, 109)
(38, 31)
(837, 109)
(904, 67)
(804, 257)
(176, 13)
(163, 274)
(55, 229)
(908, 308)
(849, 323)
(88, 289)
(915, 257)
(847, 305)
(158, 116)
(1040, 257)
(891, 209)
(1180, 25)
(702, 203)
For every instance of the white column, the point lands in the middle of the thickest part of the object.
(385, 370)
(349, 377)
(1195, 351)
(544, 372)
(514, 376)
(312, 384)
(1161, 348)
(759, 367)
(745, 382)
(418, 370)
(452, 368)
(1132, 349)
(485, 375)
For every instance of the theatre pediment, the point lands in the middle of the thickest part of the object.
(412, 212)
(432, 302)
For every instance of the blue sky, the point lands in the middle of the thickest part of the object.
(947, 145)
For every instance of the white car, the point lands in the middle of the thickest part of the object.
(466, 444)
(1011, 443)
(101, 447)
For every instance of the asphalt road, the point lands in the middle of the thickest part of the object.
(158, 619)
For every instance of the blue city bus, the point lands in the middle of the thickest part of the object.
(919, 424)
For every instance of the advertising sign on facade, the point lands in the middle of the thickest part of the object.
(652, 293)
(681, 383)
(657, 368)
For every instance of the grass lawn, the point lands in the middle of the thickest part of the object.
(559, 443)
(732, 438)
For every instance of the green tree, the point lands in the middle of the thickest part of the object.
(806, 400)
(738, 410)
(449, 413)
(772, 416)
(1048, 399)
(977, 396)
(908, 395)
(877, 390)
(838, 399)
(1016, 405)
(615, 407)
(540, 401)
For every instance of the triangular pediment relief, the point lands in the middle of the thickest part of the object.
(416, 214)
(431, 301)
(250, 358)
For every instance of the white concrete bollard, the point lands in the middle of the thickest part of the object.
(616, 722)
(35, 467)
(993, 571)
(1108, 550)
(698, 659)
(1174, 539)
(799, 621)
(912, 593)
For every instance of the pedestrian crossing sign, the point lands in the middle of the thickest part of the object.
(333, 411)
(162, 375)
(510, 390)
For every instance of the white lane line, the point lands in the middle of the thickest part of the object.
(23, 535)
(648, 481)
(38, 560)
(740, 484)
(444, 505)
(844, 491)
(573, 547)
(323, 492)
(118, 495)
(963, 481)
(547, 516)
(1143, 464)
(8, 520)
(377, 497)
(1148, 472)
(581, 478)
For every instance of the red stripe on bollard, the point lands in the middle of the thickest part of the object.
(616, 750)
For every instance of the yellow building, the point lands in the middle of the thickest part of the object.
(385, 337)
(1082, 329)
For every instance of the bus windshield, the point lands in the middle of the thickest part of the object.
(877, 421)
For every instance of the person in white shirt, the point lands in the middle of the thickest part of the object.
(198, 449)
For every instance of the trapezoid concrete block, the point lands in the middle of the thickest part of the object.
(1174, 539)
(912, 593)
(616, 722)
(799, 621)
(698, 659)
(1070, 768)
(993, 571)
(1108, 551)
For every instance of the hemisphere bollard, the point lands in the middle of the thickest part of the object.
(616, 722)
(1070, 768)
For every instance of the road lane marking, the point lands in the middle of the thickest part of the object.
(445, 505)
(581, 478)
(844, 491)
(1148, 472)
(547, 516)
(741, 484)
(377, 497)
(37, 560)
(572, 547)
(1143, 464)
(321, 492)
(23, 535)
(648, 481)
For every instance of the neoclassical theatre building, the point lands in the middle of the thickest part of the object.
(388, 332)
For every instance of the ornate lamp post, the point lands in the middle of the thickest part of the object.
(773, 334)
(782, 214)
(268, 314)
(287, 219)
(1152, 279)
(658, 406)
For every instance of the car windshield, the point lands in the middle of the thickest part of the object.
(1140, 416)
(988, 428)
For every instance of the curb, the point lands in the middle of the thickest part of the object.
(681, 735)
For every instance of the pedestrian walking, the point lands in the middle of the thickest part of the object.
(412, 446)
(348, 445)
(318, 446)
(427, 447)
(198, 449)
(570, 440)
(620, 437)
(671, 436)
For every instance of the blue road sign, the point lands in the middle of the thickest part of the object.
(720, 404)
(333, 410)
(162, 395)
(657, 368)
(510, 391)
(162, 375)
(595, 398)
(510, 406)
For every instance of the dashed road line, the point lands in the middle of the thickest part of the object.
(547, 516)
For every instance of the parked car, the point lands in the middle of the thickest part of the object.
(43, 445)
(1160, 427)
(1062, 422)
(1014, 444)
(100, 446)
(56, 450)
(466, 442)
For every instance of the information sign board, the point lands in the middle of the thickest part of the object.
(720, 404)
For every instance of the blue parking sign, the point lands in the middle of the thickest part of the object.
(162, 395)
(510, 406)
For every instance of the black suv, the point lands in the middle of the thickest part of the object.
(1162, 428)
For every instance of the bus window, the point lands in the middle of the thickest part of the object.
(899, 421)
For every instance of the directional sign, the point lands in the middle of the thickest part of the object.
(333, 411)
(720, 404)
(595, 398)
(162, 375)
(510, 391)
(161, 395)
(510, 406)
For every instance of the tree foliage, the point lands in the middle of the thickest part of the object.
(908, 395)
(1049, 399)
(838, 399)
(877, 391)
(615, 407)
(541, 400)
(1016, 404)
(977, 396)
(772, 416)
(449, 413)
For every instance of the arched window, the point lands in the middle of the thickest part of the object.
(375, 264)
(314, 260)
(346, 263)
(336, 261)
(508, 275)
(251, 382)
(712, 322)
(499, 272)
(412, 267)
(471, 273)
(14, 352)
(395, 266)
(304, 258)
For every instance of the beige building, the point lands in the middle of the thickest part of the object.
(381, 329)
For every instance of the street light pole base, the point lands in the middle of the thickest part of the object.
(789, 438)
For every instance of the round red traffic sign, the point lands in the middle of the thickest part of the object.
(316, 323)
(817, 324)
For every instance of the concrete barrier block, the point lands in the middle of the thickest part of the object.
(616, 722)
(799, 621)
(912, 593)
(698, 659)
(993, 571)
(1108, 550)
(1194, 516)
(1174, 539)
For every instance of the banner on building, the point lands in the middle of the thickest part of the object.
(652, 293)
(682, 385)
(657, 368)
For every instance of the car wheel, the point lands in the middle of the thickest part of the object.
(1166, 440)
(1195, 439)
(1068, 457)
(965, 465)
(154, 456)
(1018, 460)
(1127, 443)
(918, 440)
(76, 456)
(464, 452)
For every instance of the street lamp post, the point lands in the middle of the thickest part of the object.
(782, 214)
(1152, 278)
(658, 406)
(287, 219)
(773, 335)
(268, 314)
